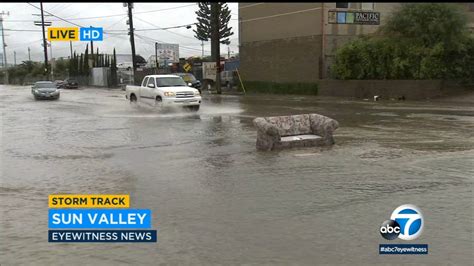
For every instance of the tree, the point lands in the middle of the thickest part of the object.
(96, 57)
(80, 65)
(113, 69)
(213, 24)
(139, 60)
(86, 61)
(418, 41)
(204, 27)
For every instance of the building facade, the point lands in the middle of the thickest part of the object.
(296, 42)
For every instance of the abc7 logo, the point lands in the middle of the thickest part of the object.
(405, 223)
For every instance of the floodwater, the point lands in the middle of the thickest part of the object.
(216, 200)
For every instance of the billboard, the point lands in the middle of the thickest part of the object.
(168, 52)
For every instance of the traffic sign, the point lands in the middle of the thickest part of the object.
(187, 67)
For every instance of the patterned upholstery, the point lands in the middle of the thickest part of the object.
(271, 129)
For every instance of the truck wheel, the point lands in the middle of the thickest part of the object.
(133, 98)
(158, 103)
(195, 108)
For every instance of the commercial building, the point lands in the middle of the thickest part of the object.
(296, 42)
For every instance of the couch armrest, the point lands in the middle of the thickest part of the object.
(322, 125)
(267, 134)
(265, 127)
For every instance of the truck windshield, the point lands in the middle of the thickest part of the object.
(170, 81)
(188, 77)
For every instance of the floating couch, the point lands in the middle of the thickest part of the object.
(305, 130)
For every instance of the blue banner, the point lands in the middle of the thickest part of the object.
(99, 218)
(102, 236)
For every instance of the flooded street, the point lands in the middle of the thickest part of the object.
(216, 200)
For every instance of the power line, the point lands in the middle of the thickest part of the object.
(155, 40)
(172, 27)
(165, 29)
(281, 14)
(23, 30)
(251, 5)
(65, 20)
(108, 16)
(115, 23)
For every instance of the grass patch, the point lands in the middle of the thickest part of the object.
(280, 88)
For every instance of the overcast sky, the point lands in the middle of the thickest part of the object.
(160, 15)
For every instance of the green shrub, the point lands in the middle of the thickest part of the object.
(419, 41)
(280, 87)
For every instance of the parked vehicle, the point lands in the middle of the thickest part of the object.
(164, 91)
(45, 90)
(191, 80)
(228, 78)
(71, 84)
(60, 84)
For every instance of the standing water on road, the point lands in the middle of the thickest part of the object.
(216, 200)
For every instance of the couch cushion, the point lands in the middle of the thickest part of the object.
(291, 125)
(299, 137)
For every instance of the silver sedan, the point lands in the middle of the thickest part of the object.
(45, 90)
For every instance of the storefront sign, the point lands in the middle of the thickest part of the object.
(354, 17)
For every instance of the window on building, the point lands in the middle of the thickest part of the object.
(368, 6)
(342, 5)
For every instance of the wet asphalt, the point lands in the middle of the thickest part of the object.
(216, 200)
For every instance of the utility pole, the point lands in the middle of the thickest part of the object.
(44, 43)
(202, 47)
(215, 40)
(156, 56)
(132, 38)
(14, 58)
(52, 60)
(70, 47)
(29, 54)
(4, 45)
(228, 52)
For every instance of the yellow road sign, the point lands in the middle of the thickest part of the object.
(187, 67)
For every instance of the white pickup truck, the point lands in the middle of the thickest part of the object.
(164, 91)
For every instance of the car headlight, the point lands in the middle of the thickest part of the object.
(169, 94)
(197, 92)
